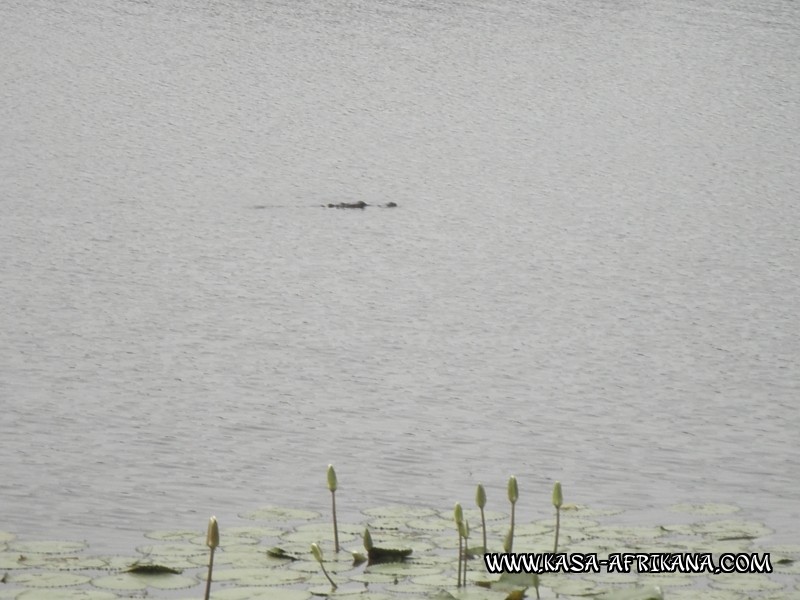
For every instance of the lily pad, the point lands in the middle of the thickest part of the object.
(49, 579)
(123, 582)
(172, 550)
(316, 532)
(152, 569)
(432, 524)
(639, 593)
(170, 582)
(12, 560)
(46, 547)
(259, 593)
(250, 577)
(733, 530)
(171, 535)
(513, 581)
(48, 594)
(277, 552)
(752, 582)
(68, 563)
(397, 510)
(707, 594)
(570, 587)
(377, 555)
(705, 509)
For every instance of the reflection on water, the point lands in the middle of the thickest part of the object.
(592, 274)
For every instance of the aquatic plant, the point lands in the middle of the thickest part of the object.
(56, 569)
(480, 500)
(463, 531)
(317, 552)
(376, 555)
(367, 539)
(558, 500)
(513, 496)
(458, 517)
(333, 484)
(212, 541)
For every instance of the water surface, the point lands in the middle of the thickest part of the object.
(593, 273)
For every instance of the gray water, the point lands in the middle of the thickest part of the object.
(593, 274)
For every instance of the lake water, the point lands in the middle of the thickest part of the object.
(593, 273)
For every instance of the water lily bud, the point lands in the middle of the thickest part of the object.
(332, 482)
(513, 490)
(317, 552)
(480, 496)
(367, 540)
(212, 537)
(466, 529)
(458, 513)
(558, 499)
(507, 542)
(462, 529)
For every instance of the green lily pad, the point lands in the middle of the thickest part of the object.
(397, 510)
(705, 509)
(13, 560)
(515, 581)
(377, 555)
(46, 547)
(639, 593)
(624, 532)
(243, 556)
(278, 513)
(733, 530)
(469, 594)
(251, 577)
(49, 594)
(741, 582)
(435, 523)
(172, 550)
(570, 587)
(123, 582)
(373, 578)
(119, 563)
(473, 515)
(259, 593)
(171, 535)
(317, 532)
(256, 532)
(6, 536)
(276, 552)
(152, 569)
(170, 582)
(606, 577)
(82, 563)
(403, 569)
(789, 550)
(49, 579)
(359, 592)
(707, 594)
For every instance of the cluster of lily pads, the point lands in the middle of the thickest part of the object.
(397, 552)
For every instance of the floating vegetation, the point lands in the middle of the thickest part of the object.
(315, 550)
(377, 555)
(513, 496)
(212, 541)
(151, 569)
(558, 501)
(480, 501)
(333, 485)
(270, 558)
